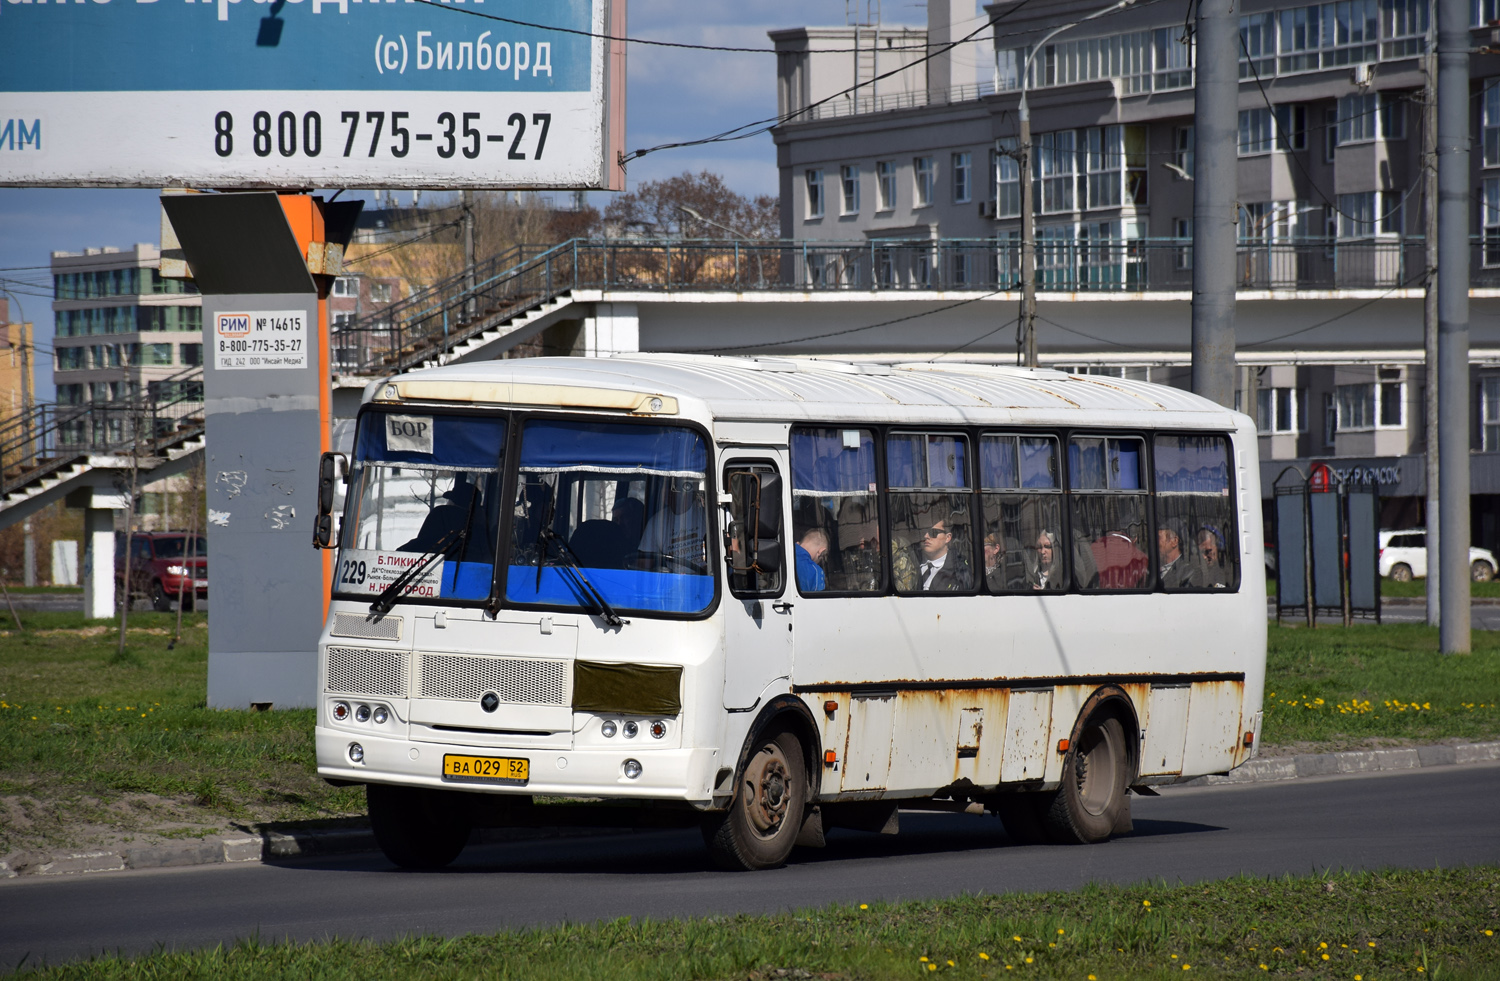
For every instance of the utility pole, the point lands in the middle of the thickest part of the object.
(1215, 188)
(1453, 319)
(1434, 536)
(1028, 353)
(468, 219)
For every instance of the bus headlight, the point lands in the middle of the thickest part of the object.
(357, 753)
(631, 769)
(631, 729)
(608, 729)
(362, 714)
(380, 715)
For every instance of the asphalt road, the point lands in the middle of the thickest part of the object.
(1418, 819)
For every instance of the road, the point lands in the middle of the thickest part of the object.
(1418, 819)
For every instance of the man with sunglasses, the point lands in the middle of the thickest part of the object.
(942, 569)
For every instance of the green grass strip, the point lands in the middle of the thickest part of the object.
(1381, 925)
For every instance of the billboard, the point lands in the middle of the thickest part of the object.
(311, 93)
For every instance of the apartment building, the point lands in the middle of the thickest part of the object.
(923, 173)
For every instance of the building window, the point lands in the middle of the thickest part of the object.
(342, 319)
(1356, 406)
(963, 268)
(1330, 134)
(1358, 117)
(71, 394)
(1489, 213)
(1392, 404)
(925, 174)
(1174, 59)
(815, 193)
(191, 353)
(69, 359)
(346, 286)
(1054, 168)
(1490, 123)
(1257, 45)
(1390, 208)
(1357, 215)
(1263, 130)
(1103, 160)
(1403, 28)
(1328, 35)
(849, 178)
(1482, 13)
(885, 185)
(380, 292)
(157, 354)
(1182, 154)
(961, 178)
(1007, 180)
(1489, 413)
(1330, 418)
(1182, 230)
(1281, 410)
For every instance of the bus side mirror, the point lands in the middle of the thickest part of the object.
(329, 466)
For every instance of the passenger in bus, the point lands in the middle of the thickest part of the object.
(943, 569)
(1121, 563)
(1001, 572)
(1176, 571)
(811, 551)
(1211, 557)
(676, 537)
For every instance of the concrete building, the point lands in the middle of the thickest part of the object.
(911, 182)
(17, 365)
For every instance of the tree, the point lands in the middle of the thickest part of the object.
(655, 208)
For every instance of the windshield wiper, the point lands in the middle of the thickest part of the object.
(571, 564)
(388, 595)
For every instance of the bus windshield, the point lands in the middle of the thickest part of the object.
(611, 511)
(425, 488)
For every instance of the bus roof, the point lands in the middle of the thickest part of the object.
(796, 389)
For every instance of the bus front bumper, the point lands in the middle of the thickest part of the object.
(665, 774)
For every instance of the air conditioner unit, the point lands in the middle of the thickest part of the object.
(987, 209)
(1362, 75)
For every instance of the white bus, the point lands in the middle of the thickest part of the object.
(773, 596)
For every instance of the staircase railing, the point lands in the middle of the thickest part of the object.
(51, 436)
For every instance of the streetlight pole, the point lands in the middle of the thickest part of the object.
(760, 271)
(1215, 134)
(1028, 217)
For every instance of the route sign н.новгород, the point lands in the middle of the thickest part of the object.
(310, 93)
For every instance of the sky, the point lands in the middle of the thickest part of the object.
(672, 95)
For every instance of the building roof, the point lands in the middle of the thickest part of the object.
(793, 389)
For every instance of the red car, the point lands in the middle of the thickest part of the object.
(159, 567)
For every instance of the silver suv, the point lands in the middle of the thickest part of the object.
(1403, 557)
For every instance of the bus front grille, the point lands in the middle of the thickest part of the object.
(359, 625)
(360, 671)
(524, 681)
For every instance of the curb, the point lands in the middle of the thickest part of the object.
(283, 846)
(1352, 761)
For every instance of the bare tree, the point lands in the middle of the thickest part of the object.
(657, 208)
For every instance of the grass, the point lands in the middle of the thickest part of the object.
(1438, 924)
(1336, 687)
(89, 738)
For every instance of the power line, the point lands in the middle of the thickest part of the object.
(1422, 276)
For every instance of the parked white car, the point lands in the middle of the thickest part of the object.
(1403, 557)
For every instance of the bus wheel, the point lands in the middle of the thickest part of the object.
(1021, 814)
(417, 828)
(765, 816)
(1094, 785)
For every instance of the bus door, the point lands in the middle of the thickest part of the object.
(758, 612)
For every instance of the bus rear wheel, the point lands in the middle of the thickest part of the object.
(765, 816)
(417, 828)
(1095, 782)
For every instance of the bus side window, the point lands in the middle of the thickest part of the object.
(1195, 513)
(1021, 502)
(833, 492)
(932, 538)
(1111, 547)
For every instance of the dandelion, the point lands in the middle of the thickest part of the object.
(1187, 967)
(983, 956)
(932, 967)
(1028, 960)
(1487, 933)
(923, 959)
(1359, 977)
(1060, 932)
(1146, 903)
(1325, 957)
(864, 905)
(1370, 944)
(1174, 957)
(1052, 945)
(1264, 967)
(1016, 939)
(1322, 946)
(951, 964)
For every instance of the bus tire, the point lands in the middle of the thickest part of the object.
(417, 828)
(765, 816)
(1021, 814)
(1095, 782)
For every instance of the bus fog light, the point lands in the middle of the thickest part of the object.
(658, 729)
(609, 729)
(631, 729)
(362, 714)
(340, 711)
(631, 769)
(356, 753)
(380, 715)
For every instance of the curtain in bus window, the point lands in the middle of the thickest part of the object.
(834, 495)
(1110, 546)
(611, 508)
(1021, 503)
(932, 541)
(1197, 545)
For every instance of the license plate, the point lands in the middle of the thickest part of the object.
(487, 769)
